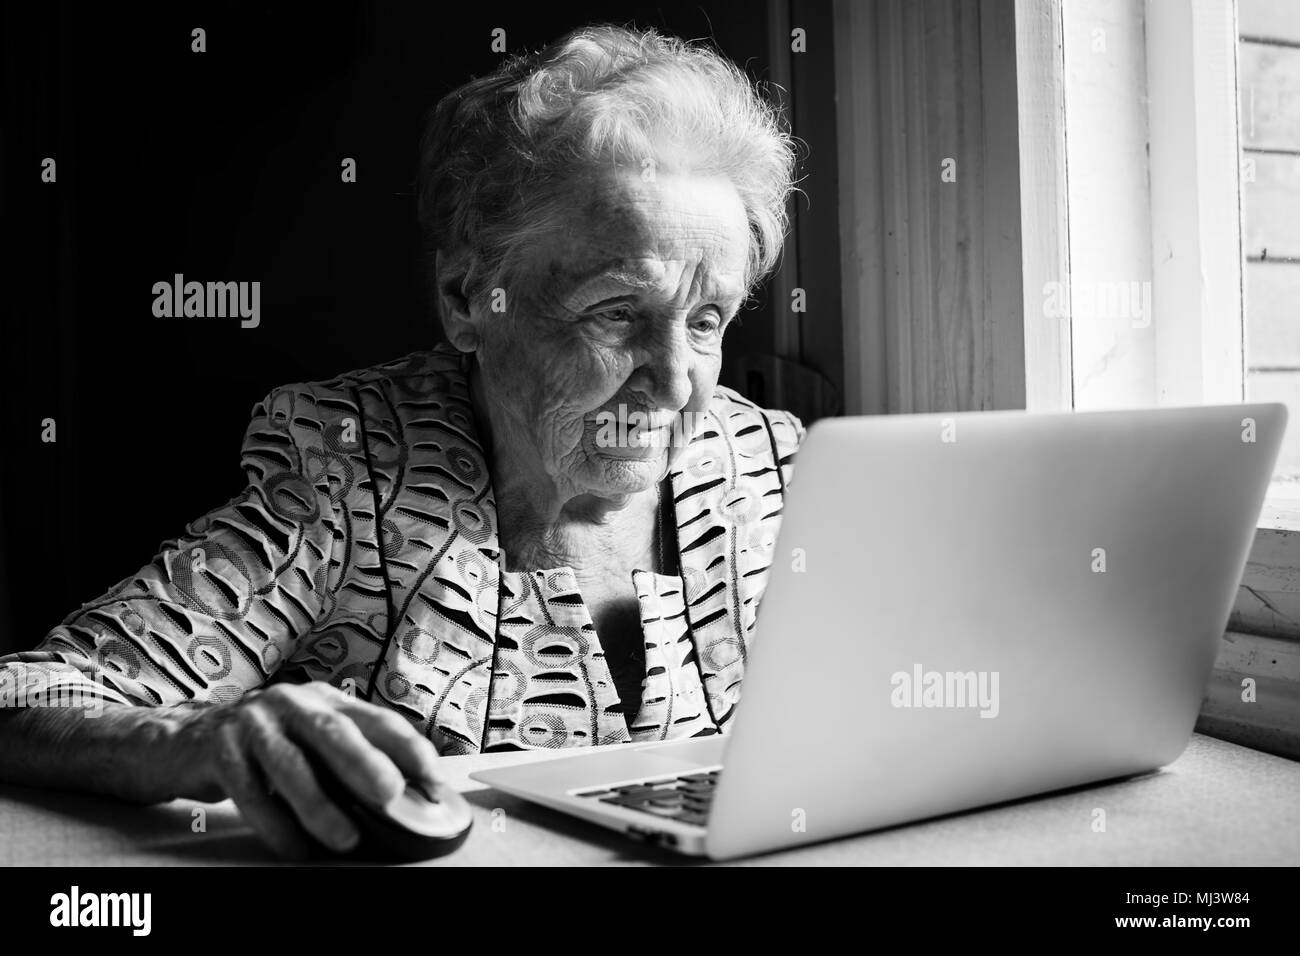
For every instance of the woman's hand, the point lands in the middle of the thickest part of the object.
(255, 751)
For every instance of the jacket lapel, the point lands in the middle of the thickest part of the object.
(728, 491)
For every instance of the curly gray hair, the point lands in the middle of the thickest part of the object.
(498, 152)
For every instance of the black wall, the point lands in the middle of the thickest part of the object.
(222, 166)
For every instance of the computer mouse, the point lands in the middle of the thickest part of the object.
(421, 823)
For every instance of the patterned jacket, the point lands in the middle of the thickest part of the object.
(364, 552)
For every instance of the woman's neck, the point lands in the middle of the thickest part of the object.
(543, 525)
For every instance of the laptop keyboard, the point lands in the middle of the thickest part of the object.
(685, 799)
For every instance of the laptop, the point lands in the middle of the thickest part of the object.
(962, 610)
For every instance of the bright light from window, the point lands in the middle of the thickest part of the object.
(1269, 87)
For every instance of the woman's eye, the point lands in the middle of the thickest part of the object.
(706, 323)
(619, 316)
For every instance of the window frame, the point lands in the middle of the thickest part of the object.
(899, 104)
(1159, 203)
(1176, 223)
(1194, 225)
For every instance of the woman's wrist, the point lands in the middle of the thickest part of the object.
(139, 754)
(169, 753)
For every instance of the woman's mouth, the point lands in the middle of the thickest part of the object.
(634, 435)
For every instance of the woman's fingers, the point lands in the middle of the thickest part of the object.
(285, 768)
(243, 783)
(335, 739)
(413, 753)
(283, 738)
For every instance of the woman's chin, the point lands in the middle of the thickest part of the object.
(626, 475)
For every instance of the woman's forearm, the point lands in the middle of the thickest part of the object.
(132, 753)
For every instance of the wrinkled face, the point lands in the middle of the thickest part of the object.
(610, 342)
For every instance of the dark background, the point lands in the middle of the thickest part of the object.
(224, 166)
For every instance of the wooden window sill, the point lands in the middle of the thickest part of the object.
(1268, 600)
(1271, 721)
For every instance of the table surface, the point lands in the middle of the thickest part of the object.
(1218, 804)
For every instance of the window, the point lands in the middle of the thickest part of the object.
(1269, 88)
(1126, 233)
(1101, 264)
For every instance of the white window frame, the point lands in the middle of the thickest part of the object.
(1173, 215)
(1129, 183)
(1125, 173)
(1158, 201)
(1170, 213)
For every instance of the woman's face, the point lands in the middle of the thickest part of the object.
(610, 342)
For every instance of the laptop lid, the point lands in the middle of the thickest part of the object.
(969, 608)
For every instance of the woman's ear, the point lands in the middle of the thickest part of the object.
(452, 273)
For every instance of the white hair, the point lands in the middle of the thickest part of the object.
(498, 153)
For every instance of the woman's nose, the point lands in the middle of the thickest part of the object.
(666, 367)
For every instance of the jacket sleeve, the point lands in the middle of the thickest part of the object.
(219, 608)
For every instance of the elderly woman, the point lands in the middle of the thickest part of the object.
(551, 533)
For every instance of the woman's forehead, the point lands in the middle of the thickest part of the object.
(640, 203)
(641, 234)
(680, 280)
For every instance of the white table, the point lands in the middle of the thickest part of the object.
(1218, 804)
